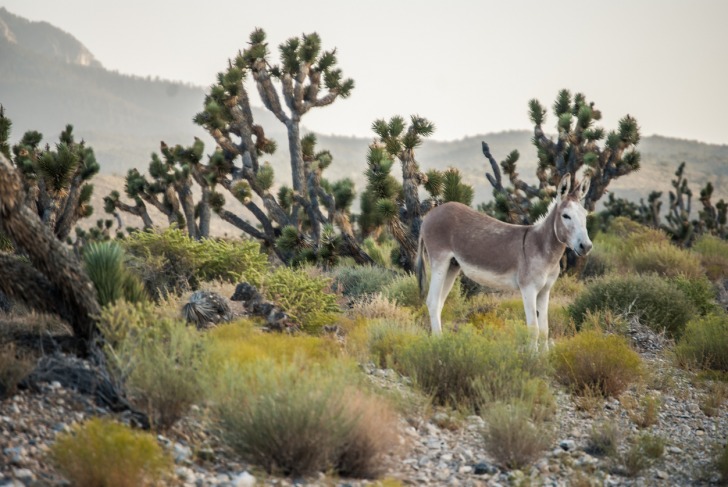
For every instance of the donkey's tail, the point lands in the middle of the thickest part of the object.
(420, 264)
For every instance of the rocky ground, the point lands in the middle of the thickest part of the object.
(436, 447)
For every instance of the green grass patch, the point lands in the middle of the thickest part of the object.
(704, 344)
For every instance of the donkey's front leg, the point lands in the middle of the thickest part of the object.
(542, 315)
(529, 305)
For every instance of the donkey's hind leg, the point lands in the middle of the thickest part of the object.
(440, 276)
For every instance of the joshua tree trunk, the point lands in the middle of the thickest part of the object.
(56, 274)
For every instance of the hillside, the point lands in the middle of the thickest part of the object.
(50, 79)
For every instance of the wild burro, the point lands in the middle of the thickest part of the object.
(457, 238)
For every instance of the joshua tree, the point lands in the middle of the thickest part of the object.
(55, 181)
(577, 145)
(385, 200)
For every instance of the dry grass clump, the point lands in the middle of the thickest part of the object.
(388, 341)
(512, 437)
(645, 449)
(105, 453)
(14, 367)
(713, 253)
(590, 359)
(357, 281)
(158, 360)
(664, 259)
(721, 463)
(298, 422)
(604, 440)
(704, 344)
(648, 411)
(378, 306)
(715, 396)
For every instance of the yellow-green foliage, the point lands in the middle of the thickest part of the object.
(405, 290)
(378, 306)
(169, 261)
(306, 298)
(299, 420)
(658, 302)
(243, 344)
(467, 369)
(388, 339)
(105, 453)
(713, 253)
(358, 280)
(380, 251)
(664, 259)
(705, 343)
(593, 361)
(158, 359)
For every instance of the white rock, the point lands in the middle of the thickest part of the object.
(181, 453)
(245, 479)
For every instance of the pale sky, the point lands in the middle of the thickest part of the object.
(469, 66)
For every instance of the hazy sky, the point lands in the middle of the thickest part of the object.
(469, 66)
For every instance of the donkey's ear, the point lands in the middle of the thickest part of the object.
(564, 186)
(583, 188)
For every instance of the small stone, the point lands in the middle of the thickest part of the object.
(674, 449)
(446, 457)
(542, 466)
(222, 478)
(482, 468)
(185, 474)
(181, 453)
(465, 469)
(661, 474)
(24, 475)
(567, 445)
(206, 454)
(245, 479)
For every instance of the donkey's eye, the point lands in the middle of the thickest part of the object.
(567, 217)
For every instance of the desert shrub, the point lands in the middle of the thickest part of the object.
(159, 360)
(389, 339)
(721, 463)
(306, 298)
(603, 440)
(715, 395)
(605, 320)
(355, 281)
(648, 412)
(14, 367)
(713, 253)
(105, 453)
(567, 285)
(378, 306)
(699, 291)
(664, 259)
(512, 438)
(171, 262)
(467, 369)
(591, 359)
(705, 343)
(106, 267)
(373, 433)
(242, 344)
(381, 251)
(644, 451)
(296, 422)
(405, 290)
(657, 302)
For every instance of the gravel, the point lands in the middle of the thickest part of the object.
(439, 447)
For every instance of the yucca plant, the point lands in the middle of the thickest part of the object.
(104, 262)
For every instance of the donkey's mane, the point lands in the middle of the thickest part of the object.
(544, 216)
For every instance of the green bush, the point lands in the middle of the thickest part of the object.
(699, 290)
(389, 339)
(158, 360)
(106, 267)
(603, 440)
(713, 253)
(657, 302)
(592, 361)
(355, 281)
(405, 290)
(705, 343)
(467, 369)
(664, 259)
(512, 438)
(104, 453)
(306, 298)
(171, 262)
(298, 422)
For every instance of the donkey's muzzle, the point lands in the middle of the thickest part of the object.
(584, 248)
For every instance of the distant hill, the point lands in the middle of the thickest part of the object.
(49, 79)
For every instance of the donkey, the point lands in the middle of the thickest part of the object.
(526, 257)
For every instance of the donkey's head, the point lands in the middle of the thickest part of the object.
(570, 223)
